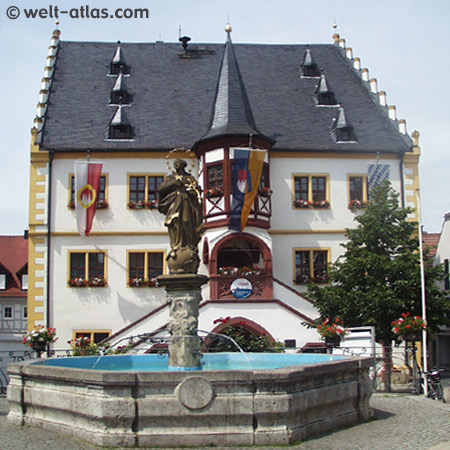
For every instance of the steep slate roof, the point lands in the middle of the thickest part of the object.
(173, 97)
(232, 112)
(13, 258)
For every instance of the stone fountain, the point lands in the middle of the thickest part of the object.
(186, 406)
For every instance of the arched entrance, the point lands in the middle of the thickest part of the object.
(243, 256)
(248, 335)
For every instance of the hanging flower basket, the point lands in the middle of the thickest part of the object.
(409, 328)
(331, 331)
(39, 337)
(332, 341)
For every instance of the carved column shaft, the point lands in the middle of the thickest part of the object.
(183, 296)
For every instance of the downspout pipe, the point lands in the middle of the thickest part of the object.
(49, 227)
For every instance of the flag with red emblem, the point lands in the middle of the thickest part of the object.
(87, 186)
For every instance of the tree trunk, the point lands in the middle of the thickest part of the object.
(387, 357)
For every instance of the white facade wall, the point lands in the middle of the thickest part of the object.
(118, 229)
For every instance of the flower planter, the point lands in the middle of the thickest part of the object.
(332, 341)
(39, 346)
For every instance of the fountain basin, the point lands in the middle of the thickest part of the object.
(132, 407)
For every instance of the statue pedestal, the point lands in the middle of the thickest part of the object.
(184, 296)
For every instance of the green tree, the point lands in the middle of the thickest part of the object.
(378, 276)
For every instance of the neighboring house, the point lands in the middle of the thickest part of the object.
(443, 257)
(13, 292)
(328, 136)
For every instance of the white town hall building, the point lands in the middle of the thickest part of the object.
(327, 132)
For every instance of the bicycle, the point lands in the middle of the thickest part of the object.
(435, 390)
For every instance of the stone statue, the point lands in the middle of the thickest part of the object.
(181, 202)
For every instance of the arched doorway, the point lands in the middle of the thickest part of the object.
(247, 334)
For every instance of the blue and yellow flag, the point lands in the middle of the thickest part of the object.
(247, 170)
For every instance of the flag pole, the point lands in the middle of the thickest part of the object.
(424, 303)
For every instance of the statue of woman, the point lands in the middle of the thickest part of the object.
(181, 202)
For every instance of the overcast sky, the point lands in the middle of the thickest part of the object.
(403, 43)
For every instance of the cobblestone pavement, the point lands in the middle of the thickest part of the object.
(402, 422)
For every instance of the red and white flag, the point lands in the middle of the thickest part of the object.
(87, 186)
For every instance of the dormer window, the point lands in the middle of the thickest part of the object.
(119, 94)
(325, 96)
(342, 129)
(118, 64)
(120, 127)
(120, 132)
(24, 282)
(309, 68)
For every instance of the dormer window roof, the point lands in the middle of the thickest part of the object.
(118, 64)
(119, 94)
(119, 126)
(342, 128)
(308, 67)
(325, 96)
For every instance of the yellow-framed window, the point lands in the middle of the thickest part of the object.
(87, 268)
(311, 190)
(311, 264)
(145, 266)
(357, 190)
(95, 336)
(143, 189)
(102, 199)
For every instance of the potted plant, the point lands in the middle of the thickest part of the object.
(332, 332)
(357, 204)
(82, 346)
(39, 337)
(408, 328)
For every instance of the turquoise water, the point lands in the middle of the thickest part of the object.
(210, 361)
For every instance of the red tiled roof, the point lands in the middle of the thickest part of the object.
(430, 240)
(13, 258)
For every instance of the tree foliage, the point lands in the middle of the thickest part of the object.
(378, 276)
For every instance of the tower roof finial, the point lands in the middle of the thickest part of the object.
(336, 35)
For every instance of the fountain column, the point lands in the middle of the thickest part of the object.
(180, 199)
(183, 296)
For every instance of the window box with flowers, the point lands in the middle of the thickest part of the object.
(152, 204)
(101, 204)
(240, 271)
(321, 204)
(91, 282)
(302, 204)
(409, 328)
(357, 204)
(136, 205)
(142, 282)
(265, 191)
(214, 192)
(39, 337)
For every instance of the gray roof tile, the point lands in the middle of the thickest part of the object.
(173, 98)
